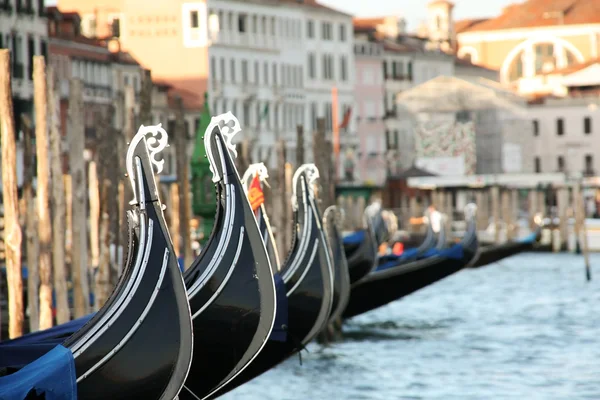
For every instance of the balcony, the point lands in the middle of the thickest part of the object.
(248, 91)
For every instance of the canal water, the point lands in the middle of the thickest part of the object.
(525, 328)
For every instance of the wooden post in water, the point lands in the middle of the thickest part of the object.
(146, 99)
(280, 209)
(94, 196)
(68, 183)
(495, 194)
(482, 216)
(59, 212)
(288, 212)
(76, 135)
(563, 200)
(174, 212)
(515, 207)
(31, 226)
(183, 173)
(12, 228)
(506, 218)
(533, 205)
(299, 145)
(102, 279)
(43, 203)
(585, 248)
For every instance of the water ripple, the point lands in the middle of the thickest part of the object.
(526, 328)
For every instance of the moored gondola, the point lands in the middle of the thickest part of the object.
(341, 286)
(383, 287)
(308, 278)
(113, 355)
(492, 253)
(230, 285)
(360, 248)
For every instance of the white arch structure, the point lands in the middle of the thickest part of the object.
(528, 44)
(469, 50)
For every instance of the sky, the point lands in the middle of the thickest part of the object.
(415, 11)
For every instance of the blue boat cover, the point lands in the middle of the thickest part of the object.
(529, 238)
(355, 237)
(391, 260)
(52, 377)
(279, 332)
(454, 252)
(56, 334)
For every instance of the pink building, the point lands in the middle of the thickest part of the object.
(370, 92)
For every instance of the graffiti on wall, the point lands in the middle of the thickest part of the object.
(447, 139)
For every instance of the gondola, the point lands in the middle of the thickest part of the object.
(492, 253)
(259, 173)
(308, 278)
(341, 286)
(383, 287)
(114, 354)
(361, 248)
(432, 240)
(230, 285)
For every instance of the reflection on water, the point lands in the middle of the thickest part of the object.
(526, 329)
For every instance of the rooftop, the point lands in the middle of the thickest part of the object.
(535, 14)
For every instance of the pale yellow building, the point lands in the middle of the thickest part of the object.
(532, 39)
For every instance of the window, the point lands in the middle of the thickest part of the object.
(194, 15)
(343, 69)
(194, 19)
(242, 23)
(313, 115)
(30, 54)
(326, 33)
(589, 164)
(273, 26)
(385, 70)
(256, 73)
(213, 69)
(17, 47)
(244, 71)
(587, 125)
(312, 66)
(254, 24)
(310, 29)
(232, 69)
(560, 163)
(328, 67)
(342, 33)
(536, 127)
(537, 165)
(266, 73)
(463, 116)
(560, 127)
(274, 74)
(409, 71)
(222, 62)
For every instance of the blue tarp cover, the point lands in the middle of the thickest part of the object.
(52, 375)
(529, 238)
(49, 335)
(278, 333)
(355, 237)
(454, 252)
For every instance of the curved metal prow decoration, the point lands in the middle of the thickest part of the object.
(264, 225)
(154, 145)
(311, 173)
(256, 169)
(228, 126)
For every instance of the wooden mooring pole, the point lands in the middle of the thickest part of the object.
(59, 208)
(12, 228)
(79, 257)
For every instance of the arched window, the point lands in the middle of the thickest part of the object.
(545, 58)
(467, 57)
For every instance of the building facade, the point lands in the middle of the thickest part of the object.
(169, 37)
(465, 127)
(366, 163)
(555, 35)
(23, 31)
